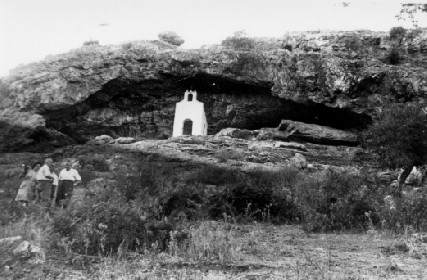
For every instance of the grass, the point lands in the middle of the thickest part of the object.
(239, 243)
(269, 252)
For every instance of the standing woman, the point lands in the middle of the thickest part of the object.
(27, 185)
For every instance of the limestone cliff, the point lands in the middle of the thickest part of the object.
(334, 79)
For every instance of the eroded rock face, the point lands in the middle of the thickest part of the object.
(331, 79)
(302, 132)
(295, 131)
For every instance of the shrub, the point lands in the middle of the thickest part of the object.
(239, 41)
(91, 42)
(397, 33)
(250, 63)
(399, 137)
(335, 201)
(97, 162)
(394, 56)
(171, 37)
(105, 221)
(353, 43)
(409, 211)
(127, 46)
(214, 175)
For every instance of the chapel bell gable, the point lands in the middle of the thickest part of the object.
(190, 118)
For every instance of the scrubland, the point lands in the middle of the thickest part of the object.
(168, 219)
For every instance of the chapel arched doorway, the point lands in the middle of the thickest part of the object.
(187, 128)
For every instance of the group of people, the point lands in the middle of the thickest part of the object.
(41, 183)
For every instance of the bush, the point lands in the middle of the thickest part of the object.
(336, 201)
(409, 211)
(171, 37)
(214, 175)
(239, 41)
(397, 33)
(105, 221)
(91, 43)
(126, 46)
(258, 195)
(394, 56)
(96, 162)
(250, 63)
(399, 137)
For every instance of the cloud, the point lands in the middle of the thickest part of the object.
(104, 24)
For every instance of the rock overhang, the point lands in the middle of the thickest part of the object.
(331, 76)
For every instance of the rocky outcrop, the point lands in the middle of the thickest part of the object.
(238, 133)
(126, 140)
(302, 132)
(15, 138)
(331, 79)
(295, 131)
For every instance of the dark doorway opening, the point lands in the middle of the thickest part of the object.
(188, 127)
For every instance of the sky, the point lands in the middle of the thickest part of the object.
(32, 29)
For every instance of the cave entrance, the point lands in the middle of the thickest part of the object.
(187, 128)
(145, 109)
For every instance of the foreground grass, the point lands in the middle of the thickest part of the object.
(275, 252)
(222, 250)
(219, 250)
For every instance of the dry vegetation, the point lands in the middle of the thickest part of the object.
(167, 220)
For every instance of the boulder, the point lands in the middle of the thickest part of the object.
(238, 133)
(23, 249)
(303, 132)
(189, 139)
(102, 139)
(126, 140)
(271, 134)
(414, 178)
(10, 239)
(298, 161)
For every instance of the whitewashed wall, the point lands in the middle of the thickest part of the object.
(193, 110)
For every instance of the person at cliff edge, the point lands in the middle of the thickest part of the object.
(68, 178)
(45, 178)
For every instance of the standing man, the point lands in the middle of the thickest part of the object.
(45, 179)
(68, 178)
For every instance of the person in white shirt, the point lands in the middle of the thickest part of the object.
(68, 178)
(44, 178)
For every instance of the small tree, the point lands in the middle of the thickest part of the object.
(399, 136)
(171, 37)
(397, 33)
(239, 41)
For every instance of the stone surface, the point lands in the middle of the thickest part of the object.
(10, 239)
(126, 140)
(23, 249)
(298, 161)
(335, 79)
(103, 139)
(302, 132)
(238, 133)
(290, 145)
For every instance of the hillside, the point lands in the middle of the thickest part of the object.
(335, 79)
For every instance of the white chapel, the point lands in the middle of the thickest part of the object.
(190, 118)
